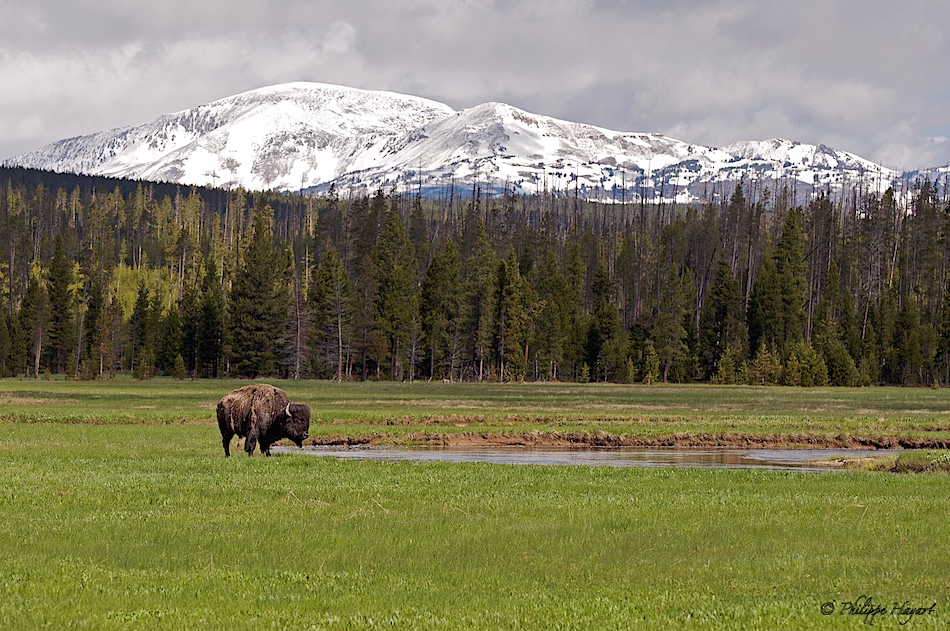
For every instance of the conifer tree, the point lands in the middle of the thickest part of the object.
(6, 344)
(419, 234)
(478, 308)
(669, 334)
(604, 349)
(440, 308)
(62, 308)
(832, 314)
(95, 306)
(764, 316)
(790, 267)
(34, 320)
(190, 315)
(651, 364)
(210, 330)
(258, 302)
(140, 332)
(168, 344)
(109, 338)
(554, 316)
(943, 343)
(909, 361)
(511, 304)
(363, 230)
(721, 324)
(331, 313)
(396, 303)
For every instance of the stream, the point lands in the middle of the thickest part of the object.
(700, 457)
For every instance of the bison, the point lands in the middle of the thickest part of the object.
(263, 414)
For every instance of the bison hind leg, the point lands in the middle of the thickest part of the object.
(226, 442)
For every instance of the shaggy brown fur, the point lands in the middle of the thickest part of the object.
(261, 413)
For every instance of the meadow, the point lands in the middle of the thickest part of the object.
(118, 510)
(395, 412)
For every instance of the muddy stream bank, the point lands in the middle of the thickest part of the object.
(798, 452)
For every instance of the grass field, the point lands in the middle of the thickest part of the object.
(118, 510)
(397, 410)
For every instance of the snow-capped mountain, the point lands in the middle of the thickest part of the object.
(280, 137)
(309, 135)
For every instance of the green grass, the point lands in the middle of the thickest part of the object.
(115, 514)
(915, 461)
(112, 526)
(396, 410)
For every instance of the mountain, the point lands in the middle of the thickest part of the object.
(272, 138)
(309, 135)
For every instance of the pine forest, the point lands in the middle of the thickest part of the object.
(753, 286)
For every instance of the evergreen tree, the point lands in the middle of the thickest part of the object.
(34, 319)
(765, 309)
(294, 351)
(95, 306)
(110, 339)
(440, 308)
(943, 343)
(419, 233)
(605, 352)
(554, 316)
(766, 367)
(790, 267)
(720, 322)
(832, 315)
(669, 334)
(190, 317)
(910, 361)
(396, 303)
(169, 342)
(62, 309)
(777, 303)
(210, 330)
(575, 271)
(6, 345)
(331, 313)
(804, 367)
(367, 340)
(651, 364)
(478, 308)
(258, 303)
(140, 332)
(512, 307)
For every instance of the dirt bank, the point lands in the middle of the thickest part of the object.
(604, 439)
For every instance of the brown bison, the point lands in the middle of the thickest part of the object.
(263, 414)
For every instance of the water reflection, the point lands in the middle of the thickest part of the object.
(701, 457)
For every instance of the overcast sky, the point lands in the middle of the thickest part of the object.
(867, 76)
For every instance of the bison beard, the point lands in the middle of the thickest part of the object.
(261, 413)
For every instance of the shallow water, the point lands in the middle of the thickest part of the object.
(700, 457)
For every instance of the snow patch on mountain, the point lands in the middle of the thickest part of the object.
(305, 135)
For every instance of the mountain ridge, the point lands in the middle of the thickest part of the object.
(310, 135)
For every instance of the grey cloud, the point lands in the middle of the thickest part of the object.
(864, 76)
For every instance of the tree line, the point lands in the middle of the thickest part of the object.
(101, 276)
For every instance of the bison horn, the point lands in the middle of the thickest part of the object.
(287, 411)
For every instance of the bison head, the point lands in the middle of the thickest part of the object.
(297, 422)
